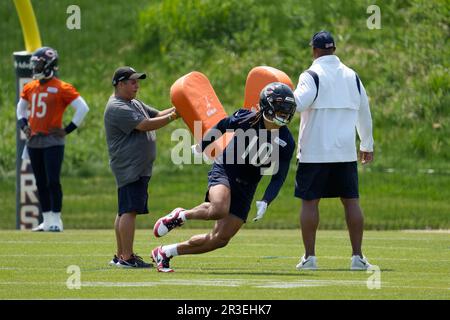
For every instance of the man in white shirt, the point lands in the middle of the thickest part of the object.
(333, 103)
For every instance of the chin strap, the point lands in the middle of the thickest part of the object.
(42, 76)
(275, 121)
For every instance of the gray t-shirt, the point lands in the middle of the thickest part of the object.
(131, 152)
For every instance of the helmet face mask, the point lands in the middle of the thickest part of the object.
(44, 62)
(277, 103)
(282, 118)
(38, 66)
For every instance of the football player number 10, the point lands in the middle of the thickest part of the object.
(38, 104)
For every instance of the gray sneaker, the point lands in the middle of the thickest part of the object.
(309, 263)
(135, 261)
(359, 263)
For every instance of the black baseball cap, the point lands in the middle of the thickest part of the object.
(125, 73)
(322, 40)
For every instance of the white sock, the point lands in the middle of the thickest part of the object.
(182, 215)
(170, 250)
(47, 218)
(56, 216)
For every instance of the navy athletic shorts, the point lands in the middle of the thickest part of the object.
(326, 180)
(133, 197)
(242, 192)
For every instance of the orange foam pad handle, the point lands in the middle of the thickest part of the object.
(257, 79)
(195, 100)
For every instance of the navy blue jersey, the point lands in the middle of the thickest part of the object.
(254, 151)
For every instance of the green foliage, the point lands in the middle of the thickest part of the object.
(195, 21)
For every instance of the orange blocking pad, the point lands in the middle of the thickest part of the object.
(195, 100)
(257, 79)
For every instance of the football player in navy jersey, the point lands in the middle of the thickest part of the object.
(262, 145)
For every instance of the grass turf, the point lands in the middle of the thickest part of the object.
(257, 264)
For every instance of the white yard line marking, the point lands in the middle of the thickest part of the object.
(106, 256)
(226, 283)
(427, 231)
(52, 241)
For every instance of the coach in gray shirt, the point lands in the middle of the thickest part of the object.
(130, 135)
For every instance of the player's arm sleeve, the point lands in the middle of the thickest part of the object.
(22, 107)
(21, 112)
(69, 94)
(277, 180)
(364, 123)
(305, 92)
(81, 109)
(234, 121)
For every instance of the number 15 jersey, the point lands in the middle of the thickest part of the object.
(47, 103)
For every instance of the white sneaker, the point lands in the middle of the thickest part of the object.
(56, 223)
(168, 222)
(359, 263)
(307, 264)
(38, 228)
(56, 227)
(44, 226)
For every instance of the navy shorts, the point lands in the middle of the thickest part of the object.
(133, 197)
(242, 192)
(326, 180)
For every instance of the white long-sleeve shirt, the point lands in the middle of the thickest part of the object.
(327, 127)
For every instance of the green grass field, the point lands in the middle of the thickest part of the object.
(256, 265)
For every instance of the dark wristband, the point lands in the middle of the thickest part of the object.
(23, 122)
(72, 126)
